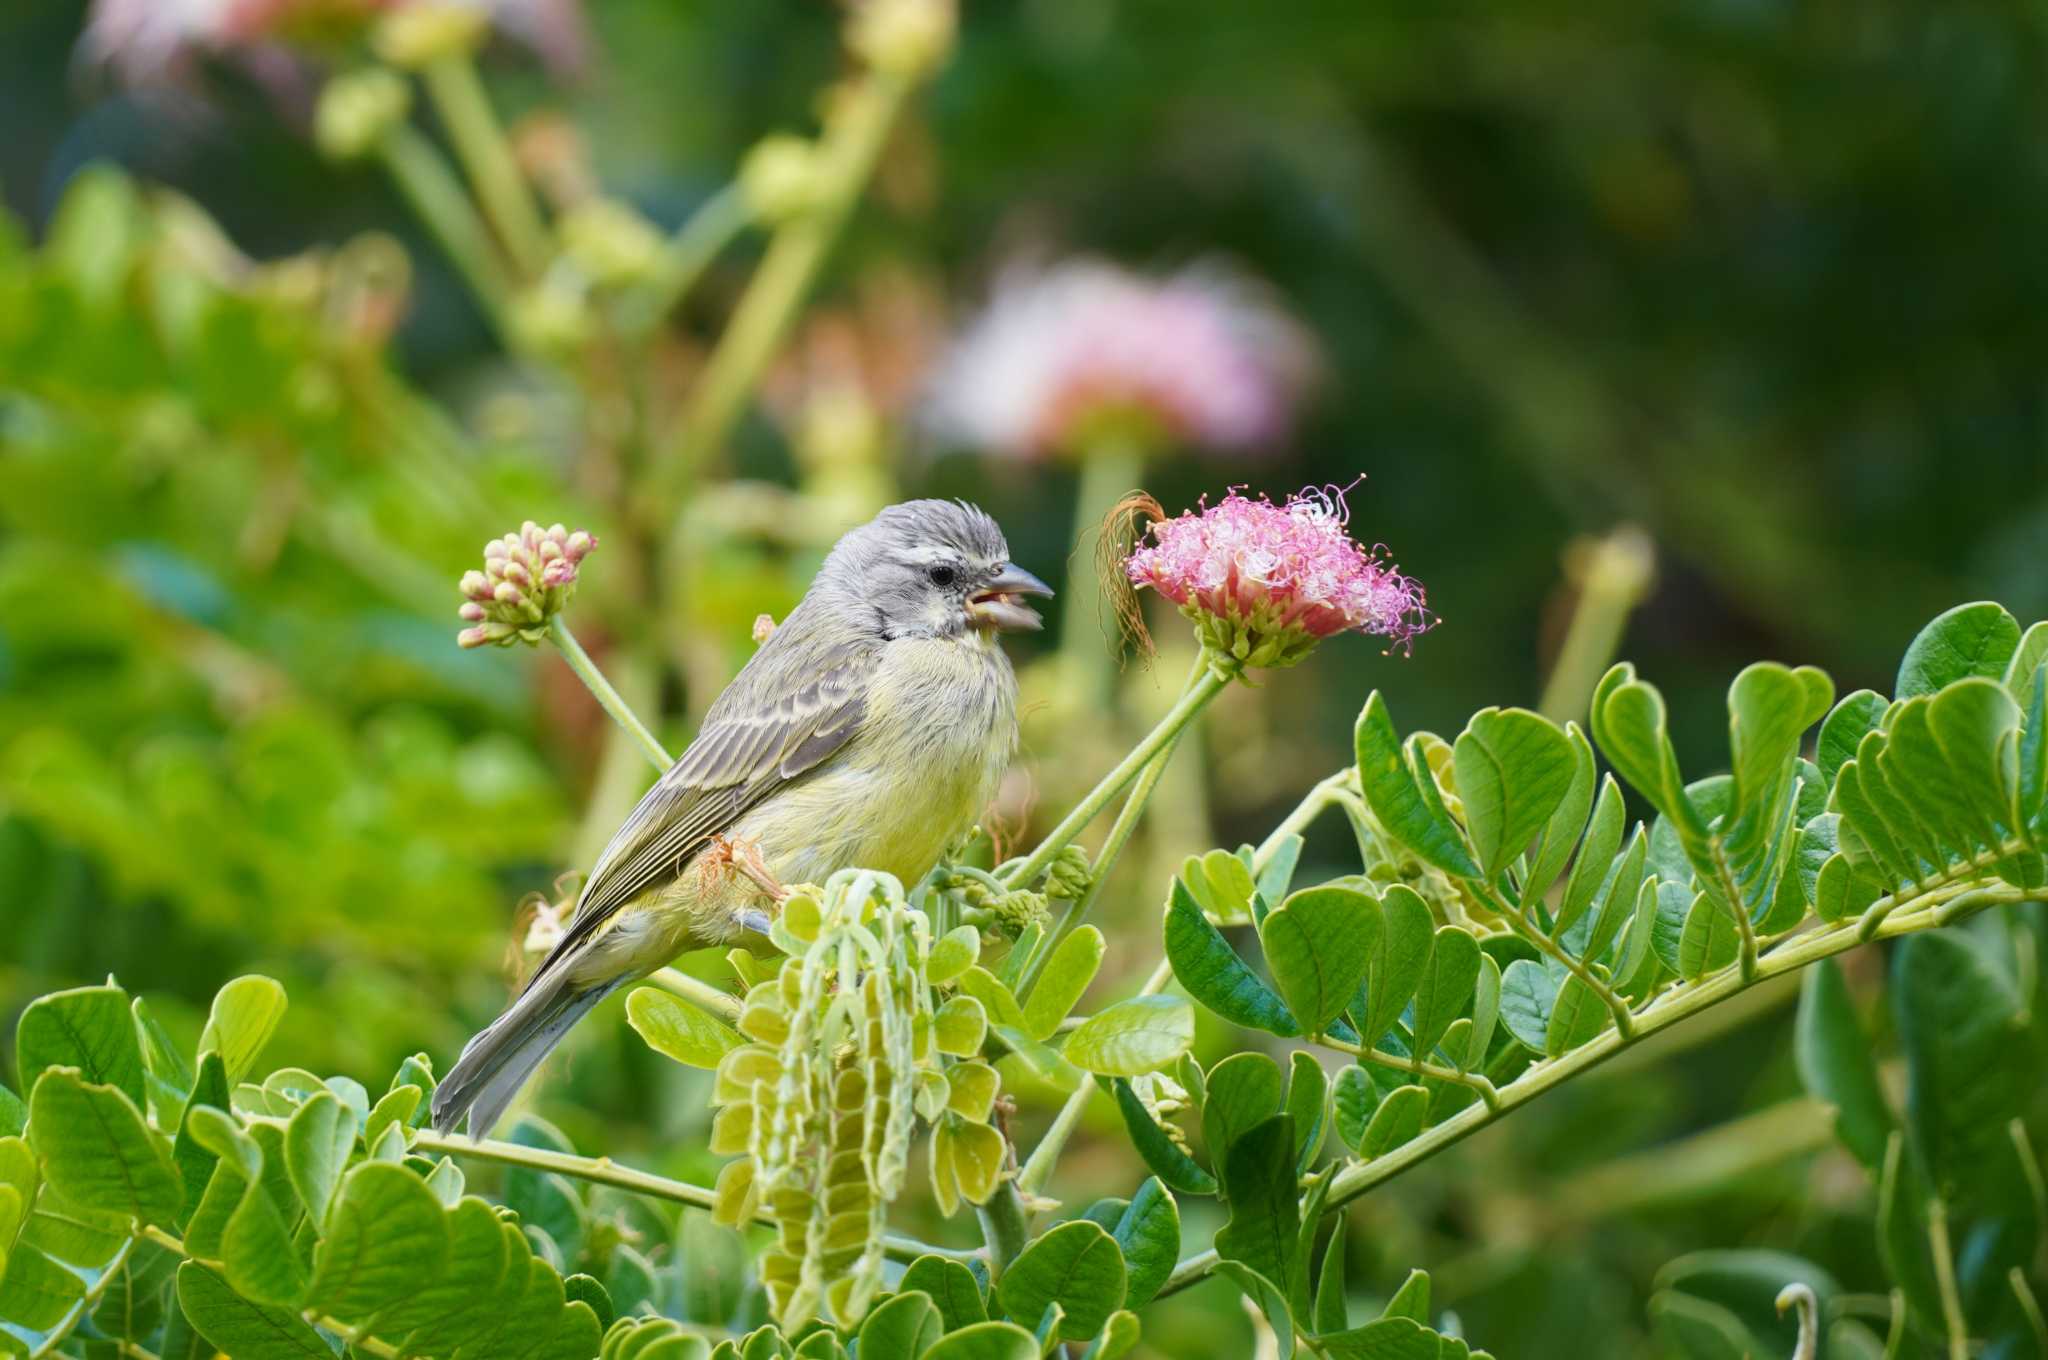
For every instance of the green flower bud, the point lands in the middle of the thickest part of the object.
(355, 111)
(906, 38)
(780, 178)
(612, 243)
(420, 34)
(1071, 874)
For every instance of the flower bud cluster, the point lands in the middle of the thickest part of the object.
(527, 579)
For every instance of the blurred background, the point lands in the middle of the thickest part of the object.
(1712, 325)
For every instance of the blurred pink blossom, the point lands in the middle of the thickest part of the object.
(1069, 356)
(156, 42)
(1265, 582)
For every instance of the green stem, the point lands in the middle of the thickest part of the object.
(428, 184)
(1108, 469)
(698, 993)
(1669, 1008)
(1613, 574)
(1624, 1021)
(2030, 1306)
(1211, 683)
(593, 678)
(604, 1171)
(1945, 1280)
(1488, 1093)
(1004, 1226)
(486, 155)
(852, 144)
(717, 222)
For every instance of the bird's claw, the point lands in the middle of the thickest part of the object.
(754, 919)
(744, 857)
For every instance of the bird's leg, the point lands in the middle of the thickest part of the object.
(744, 857)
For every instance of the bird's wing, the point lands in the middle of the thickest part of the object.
(737, 760)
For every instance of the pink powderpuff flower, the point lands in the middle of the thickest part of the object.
(1264, 583)
(160, 42)
(527, 579)
(1069, 358)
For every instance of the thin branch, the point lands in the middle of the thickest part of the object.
(601, 688)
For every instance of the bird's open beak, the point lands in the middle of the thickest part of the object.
(996, 605)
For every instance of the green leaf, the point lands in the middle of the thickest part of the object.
(1220, 883)
(387, 1238)
(1628, 723)
(953, 954)
(1148, 1234)
(1265, 1213)
(1399, 959)
(317, 1144)
(995, 997)
(1398, 1119)
(1119, 1338)
(1576, 1018)
(195, 1162)
(589, 1291)
(951, 1287)
(98, 1152)
(1278, 874)
(1855, 715)
(1513, 769)
(1836, 1066)
(1398, 800)
(13, 1113)
(87, 1028)
(1353, 1097)
(1319, 944)
(1962, 1027)
(902, 1324)
(1061, 982)
(1307, 1099)
(1075, 1265)
(1243, 1090)
(1596, 856)
(1616, 899)
(1386, 1339)
(1769, 708)
(1970, 639)
(676, 1029)
(1411, 1300)
(1709, 941)
(1902, 1233)
(244, 1016)
(1268, 1298)
(986, 1341)
(1331, 1313)
(445, 1312)
(1445, 992)
(167, 1077)
(1696, 1329)
(36, 1292)
(1214, 975)
(1554, 848)
(248, 1331)
(1164, 1156)
(1528, 994)
(1485, 1012)
(1140, 1034)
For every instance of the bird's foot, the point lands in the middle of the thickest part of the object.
(754, 919)
(744, 857)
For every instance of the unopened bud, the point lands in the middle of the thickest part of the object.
(1071, 874)
(780, 178)
(906, 38)
(420, 34)
(612, 243)
(357, 110)
(528, 578)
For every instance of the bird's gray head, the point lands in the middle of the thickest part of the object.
(932, 569)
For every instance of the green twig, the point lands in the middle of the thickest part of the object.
(1005, 1227)
(1669, 1008)
(1486, 1090)
(1211, 683)
(1957, 1330)
(593, 678)
(486, 155)
(852, 144)
(717, 222)
(430, 186)
(698, 993)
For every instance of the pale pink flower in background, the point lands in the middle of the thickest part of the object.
(1066, 358)
(1264, 583)
(156, 42)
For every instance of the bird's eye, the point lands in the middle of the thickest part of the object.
(942, 575)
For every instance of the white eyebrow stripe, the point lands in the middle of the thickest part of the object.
(933, 553)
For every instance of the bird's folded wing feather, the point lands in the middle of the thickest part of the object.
(739, 759)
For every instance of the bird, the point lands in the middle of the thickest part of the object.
(868, 730)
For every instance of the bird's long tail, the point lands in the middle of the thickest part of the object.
(497, 1062)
